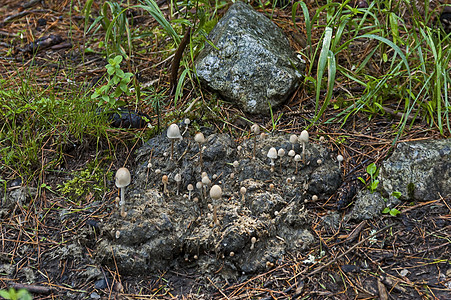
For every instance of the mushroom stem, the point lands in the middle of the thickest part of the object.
(215, 215)
(200, 155)
(123, 213)
(255, 146)
(272, 165)
(172, 148)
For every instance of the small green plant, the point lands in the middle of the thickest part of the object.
(117, 84)
(12, 294)
(373, 171)
(392, 211)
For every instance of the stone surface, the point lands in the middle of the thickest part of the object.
(420, 171)
(253, 64)
(367, 206)
(164, 230)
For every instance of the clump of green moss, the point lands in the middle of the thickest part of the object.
(89, 181)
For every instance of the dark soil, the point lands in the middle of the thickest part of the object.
(50, 248)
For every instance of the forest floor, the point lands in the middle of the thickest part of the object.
(407, 258)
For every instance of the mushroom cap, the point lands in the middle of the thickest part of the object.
(215, 192)
(243, 190)
(291, 153)
(187, 121)
(199, 185)
(199, 138)
(272, 153)
(165, 179)
(255, 129)
(174, 132)
(281, 152)
(297, 157)
(206, 180)
(178, 177)
(340, 157)
(123, 177)
(190, 187)
(236, 164)
(293, 138)
(304, 136)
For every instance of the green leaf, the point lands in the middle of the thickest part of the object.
(118, 59)
(362, 180)
(394, 212)
(396, 194)
(120, 73)
(115, 80)
(386, 210)
(371, 169)
(110, 69)
(123, 87)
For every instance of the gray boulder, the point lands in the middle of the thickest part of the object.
(419, 170)
(253, 64)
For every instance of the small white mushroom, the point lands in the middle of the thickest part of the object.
(291, 153)
(255, 130)
(243, 191)
(340, 160)
(173, 134)
(322, 139)
(280, 154)
(272, 155)
(190, 188)
(253, 241)
(205, 182)
(303, 138)
(165, 180)
(200, 139)
(215, 194)
(293, 140)
(314, 198)
(236, 164)
(297, 159)
(178, 180)
(187, 121)
(123, 179)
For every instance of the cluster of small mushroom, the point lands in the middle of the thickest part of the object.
(273, 154)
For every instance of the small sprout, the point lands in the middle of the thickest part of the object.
(272, 155)
(200, 139)
(190, 188)
(255, 130)
(303, 138)
(340, 159)
(243, 191)
(178, 180)
(297, 159)
(253, 241)
(215, 194)
(173, 134)
(293, 140)
(165, 180)
(123, 179)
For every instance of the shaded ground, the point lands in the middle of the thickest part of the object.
(51, 245)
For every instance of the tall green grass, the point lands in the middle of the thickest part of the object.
(415, 59)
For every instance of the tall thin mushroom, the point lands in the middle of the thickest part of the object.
(123, 179)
